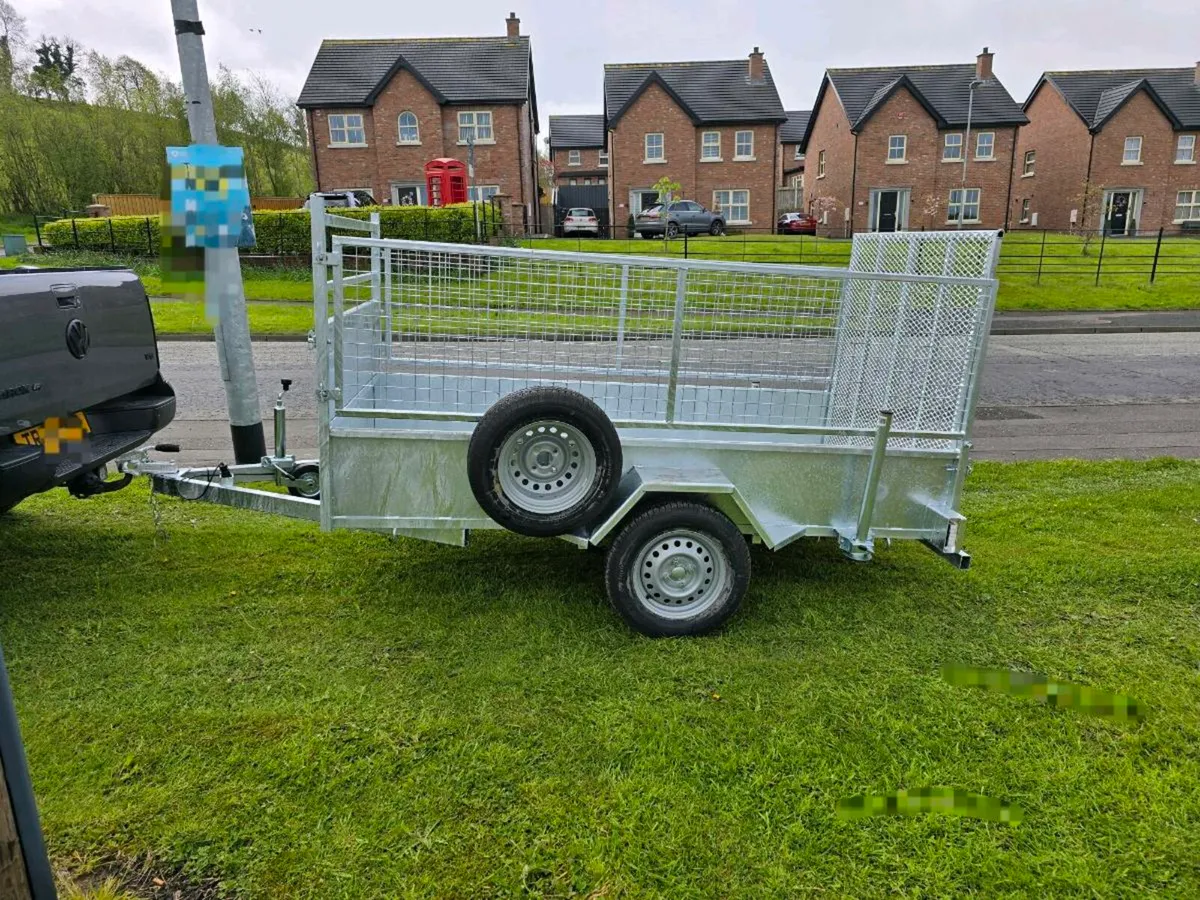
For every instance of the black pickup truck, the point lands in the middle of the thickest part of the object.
(79, 378)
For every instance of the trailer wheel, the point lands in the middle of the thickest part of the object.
(678, 568)
(306, 482)
(544, 461)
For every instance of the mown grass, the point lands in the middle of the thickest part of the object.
(345, 715)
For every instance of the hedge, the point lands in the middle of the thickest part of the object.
(277, 232)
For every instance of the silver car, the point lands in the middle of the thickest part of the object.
(676, 217)
(581, 220)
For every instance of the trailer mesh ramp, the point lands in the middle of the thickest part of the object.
(912, 347)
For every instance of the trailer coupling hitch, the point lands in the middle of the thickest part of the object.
(89, 484)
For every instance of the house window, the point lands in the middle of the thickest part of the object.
(952, 147)
(475, 126)
(710, 145)
(799, 152)
(1025, 210)
(897, 148)
(1030, 159)
(956, 208)
(985, 145)
(601, 180)
(743, 145)
(573, 158)
(602, 159)
(821, 164)
(654, 147)
(1187, 206)
(734, 204)
(347, 130)
(1133, 152)
(482, 192)
(797, 181)
(1185, 150)
(409, 133)
(572, 182)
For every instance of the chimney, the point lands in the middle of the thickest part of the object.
(983, 65)
(514, 25)
(1197, 73)
(756, 65)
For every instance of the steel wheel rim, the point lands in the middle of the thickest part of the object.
(307, 484)
(681, 573)
(546, 467)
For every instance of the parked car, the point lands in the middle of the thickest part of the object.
(678, 217)
(344, 198)
(796, 223)
(79, 378)
(581, 220)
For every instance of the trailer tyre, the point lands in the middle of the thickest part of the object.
(678, 568)
(544, 461)
(306, 482)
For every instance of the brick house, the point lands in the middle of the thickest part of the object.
(713, 127)
(791, 158)
(577, 150)
(1131, 136)
(885, 148)
(378, 110)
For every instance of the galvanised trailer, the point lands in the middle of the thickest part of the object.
(667, 409)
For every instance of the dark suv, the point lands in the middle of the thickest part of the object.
(678, 216)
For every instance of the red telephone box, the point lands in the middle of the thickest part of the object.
(445, 181)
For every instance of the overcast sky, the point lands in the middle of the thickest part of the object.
(572, 39)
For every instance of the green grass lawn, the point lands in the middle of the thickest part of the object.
(345, 715)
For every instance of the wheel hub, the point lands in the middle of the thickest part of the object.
(546, 466)
(680, 573)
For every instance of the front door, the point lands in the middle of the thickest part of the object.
(887, 210)
(1117, 218)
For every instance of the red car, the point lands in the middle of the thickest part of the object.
(796, 223)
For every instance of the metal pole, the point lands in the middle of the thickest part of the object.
(1157, 248)
(1100, 258)
(966, 149)
(38, 882)
(876, 467)
(1041, 257)
(222, 269)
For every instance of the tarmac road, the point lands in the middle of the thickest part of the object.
(1091, 396)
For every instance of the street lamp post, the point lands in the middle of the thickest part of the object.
(966, 150)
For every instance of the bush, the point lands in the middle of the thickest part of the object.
(285, 231)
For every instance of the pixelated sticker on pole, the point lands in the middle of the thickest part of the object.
(209, 208)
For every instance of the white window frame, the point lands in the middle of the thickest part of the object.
(952, 217)
(662, 147)
(1189, 141)
(706, 145)
(416, 127)
(738, 140)
(1137, 160)
(343, 125)
(574, 158)
(1192, 207)
(418, 186)
(820, 163)
(473, 119)
(903, 148)
(956, 145)
(602, 158)
(1025, 204)
(1029, 164)
(723, 207)
(477, 191)
(991, 154)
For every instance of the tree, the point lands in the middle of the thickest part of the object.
(53, 75)
(12, 39)
(1089, 198)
